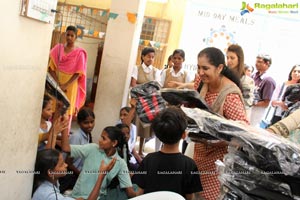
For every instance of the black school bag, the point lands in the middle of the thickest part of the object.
(149, 100)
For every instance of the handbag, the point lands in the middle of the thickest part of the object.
(270, 117)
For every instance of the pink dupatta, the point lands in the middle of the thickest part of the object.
(71, 63)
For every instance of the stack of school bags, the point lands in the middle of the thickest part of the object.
(259, 165)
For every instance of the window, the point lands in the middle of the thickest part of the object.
(91, 21)
(155, 33)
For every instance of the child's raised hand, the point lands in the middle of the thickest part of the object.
(60, 124)
(59, 110)
(104, 169)
(133, 102)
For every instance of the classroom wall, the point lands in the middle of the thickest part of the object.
(172, 10)
(104, 4)
(24, 54)
(91, 47)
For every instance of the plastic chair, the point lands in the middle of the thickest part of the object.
(165, 195)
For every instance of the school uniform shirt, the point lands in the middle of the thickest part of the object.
(48, 191)
(168, 172)
(42, 145)
(181, 74)
(93, 156)
(147, 70)
(79, 138)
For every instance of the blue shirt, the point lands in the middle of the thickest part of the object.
(48, 191)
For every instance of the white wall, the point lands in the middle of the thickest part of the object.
(257, 31)
(91, 47)
(23, 59)
(118, 59)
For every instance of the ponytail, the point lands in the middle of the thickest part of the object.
(229, 73)
(46, 159)
(115, 133)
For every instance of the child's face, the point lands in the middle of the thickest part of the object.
(123, 115)
(47, 112)
(126, 132)
(149, 59)
(105, 142)
(87, 125)
(177, 60)
(60, 169)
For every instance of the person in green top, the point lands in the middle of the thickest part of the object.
(111, 144)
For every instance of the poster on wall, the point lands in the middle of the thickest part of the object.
(258, 28)
(42, 10)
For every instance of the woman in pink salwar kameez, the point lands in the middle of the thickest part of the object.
(68, 67)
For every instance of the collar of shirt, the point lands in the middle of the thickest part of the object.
(179, 73)
(264, 75)
(116, 155)
(147, 69)
(85, 136)
(261, 76)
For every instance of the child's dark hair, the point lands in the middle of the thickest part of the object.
(115, 133)
(120, 126)
(84, 113)
(180, 52)
(216, 57)
(126, 108)
(46, 159)
(72, 28)
(169, 125)
(145, 51)
(46, 100)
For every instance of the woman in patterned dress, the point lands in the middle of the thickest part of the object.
(220, 90)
